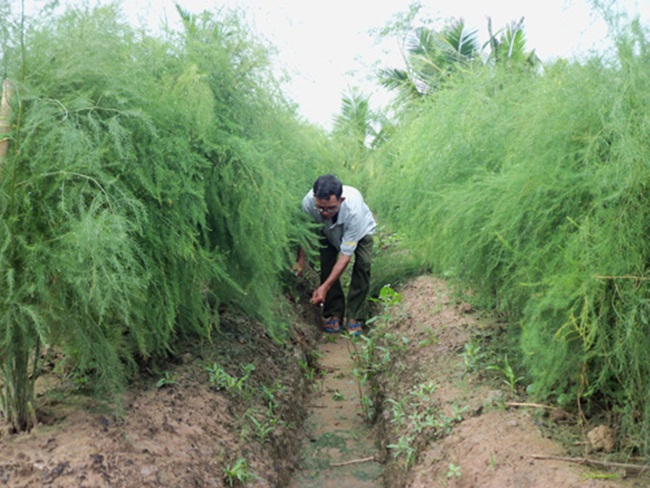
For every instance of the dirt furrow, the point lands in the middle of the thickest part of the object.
(339, 448)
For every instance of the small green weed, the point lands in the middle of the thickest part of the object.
(423, 391)
(238, 473)
(399, 416)
(473, 356)
(404, 447)
(270, 394)
(370, 359)
(386, 299)
(221, 380)
(493, 461)
(331, 338)
(167, 380)
(367, 406)
(453, 471)
(457, 413)
(509, 377)
(308, 371)
(416, 416)
(263, 424)
(388, 296)
(430, 339)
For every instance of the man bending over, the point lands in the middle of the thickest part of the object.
(347, 229)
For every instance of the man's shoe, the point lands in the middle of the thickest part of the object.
(332, 325)
(353, 328)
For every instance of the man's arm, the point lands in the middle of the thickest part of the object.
(319, 294)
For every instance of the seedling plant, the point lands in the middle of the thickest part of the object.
(509, 377)
(221, 380)
(167, 380)
(238, 473)
(417, 416)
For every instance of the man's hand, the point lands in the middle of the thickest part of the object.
(318, 296)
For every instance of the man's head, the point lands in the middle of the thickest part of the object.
(328, 192)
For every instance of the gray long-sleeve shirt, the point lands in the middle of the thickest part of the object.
(354, 220)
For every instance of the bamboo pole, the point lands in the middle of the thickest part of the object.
(5, 117)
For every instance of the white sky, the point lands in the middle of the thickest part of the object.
(325, 46)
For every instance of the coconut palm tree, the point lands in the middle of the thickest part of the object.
(510, 47)
(355, 126)
(431, 56)
(354, 121)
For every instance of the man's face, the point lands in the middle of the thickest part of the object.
(328, 207)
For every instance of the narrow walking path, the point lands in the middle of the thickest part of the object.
(337, 431)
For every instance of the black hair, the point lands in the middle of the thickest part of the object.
(328, 185)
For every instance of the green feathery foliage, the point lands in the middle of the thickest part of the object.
(256, 178)
(148, 180)
(530, 189)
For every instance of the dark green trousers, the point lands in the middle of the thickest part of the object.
(335, 303)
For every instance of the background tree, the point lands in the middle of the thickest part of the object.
(510, 47)
(431, 56)
(354, 127)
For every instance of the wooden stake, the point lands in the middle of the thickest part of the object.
(353, 461)
(5, 117)
(537, 405)
(532, 405)
(632, 468)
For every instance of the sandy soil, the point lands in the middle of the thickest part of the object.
(491, 443)
(183, 434)
(300, 409)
